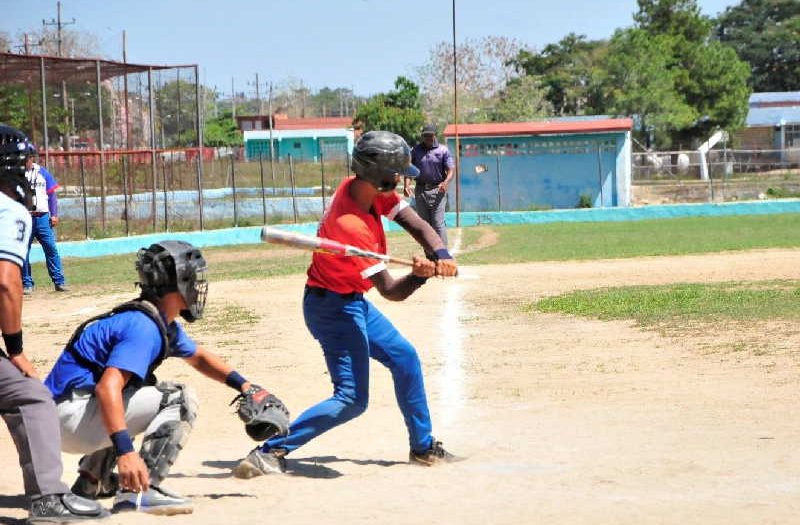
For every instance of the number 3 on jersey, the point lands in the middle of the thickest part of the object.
(20, 230)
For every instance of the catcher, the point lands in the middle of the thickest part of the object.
(106, 392)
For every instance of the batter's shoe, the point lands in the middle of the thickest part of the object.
(65, 508)
(260, 463)
(86, 487)
(435, 455)
(27, 290)
(62, 288)
(154, 500)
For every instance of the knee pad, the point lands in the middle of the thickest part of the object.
(173, 394)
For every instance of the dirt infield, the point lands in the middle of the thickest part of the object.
(564, 420)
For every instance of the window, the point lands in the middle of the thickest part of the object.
(297, 145)
(247, 125)
(792, 135)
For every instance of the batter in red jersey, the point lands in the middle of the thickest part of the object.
(349, 328)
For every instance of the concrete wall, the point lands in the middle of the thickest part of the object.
(542, 172)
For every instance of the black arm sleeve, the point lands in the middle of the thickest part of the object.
(422, 232)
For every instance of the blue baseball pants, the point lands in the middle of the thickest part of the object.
(351, 330)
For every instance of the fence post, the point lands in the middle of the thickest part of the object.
(200, 186)
(263, 190)
(322, 167)
(291, 182)
(83, 194)
(164, 178)
(233, 183)
(499, 203)
(125, 194)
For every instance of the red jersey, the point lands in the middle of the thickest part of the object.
(345, 221)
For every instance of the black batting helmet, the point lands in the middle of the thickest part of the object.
(14, 151)
(174, 266)
(380, 155)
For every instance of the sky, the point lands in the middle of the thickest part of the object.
(358, 44)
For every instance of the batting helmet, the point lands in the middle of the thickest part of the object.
(381, 155)
(174, 266)
(14, 151)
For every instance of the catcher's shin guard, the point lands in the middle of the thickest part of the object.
(161, 448)
(97, 478)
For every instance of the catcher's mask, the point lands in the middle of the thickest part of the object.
(379, 156)
(174, 266)
(15, 148)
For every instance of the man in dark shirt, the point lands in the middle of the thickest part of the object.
(435, 164)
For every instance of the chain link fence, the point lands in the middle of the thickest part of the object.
(731, 175)
(139, 192)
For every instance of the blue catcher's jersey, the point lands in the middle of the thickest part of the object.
(15, 230)
(128, 340)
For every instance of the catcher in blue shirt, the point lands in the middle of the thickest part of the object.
(106, 392)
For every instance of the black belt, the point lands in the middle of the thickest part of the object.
(322, 292)
(429, 186)
(39, 213)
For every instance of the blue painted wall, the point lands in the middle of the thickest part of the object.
(543, 172)
(251, 235)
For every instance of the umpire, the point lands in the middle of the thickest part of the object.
(435, 165)
(25, 403)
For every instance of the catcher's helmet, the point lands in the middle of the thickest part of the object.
(379, 156)
(14, 151)
(174, 266)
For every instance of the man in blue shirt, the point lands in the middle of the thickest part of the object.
(435, 165)
(106, 392)
(44, 217)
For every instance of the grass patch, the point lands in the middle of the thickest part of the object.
(565, 241)
(782, 193)
(228, 318)
(681, 303)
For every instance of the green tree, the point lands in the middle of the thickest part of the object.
(766, 34)
(397, 111)
(566, 69)
(14, 106)
(639, 80)
(221, 131)
(673, 17)
(522, 100)
(669, 73)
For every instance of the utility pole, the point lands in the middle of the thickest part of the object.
(260, 108)
(59, 40)
(27, 45)
(258, 97)
(59, 24)
(233, 99)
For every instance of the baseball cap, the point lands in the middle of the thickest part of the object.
(429, 129)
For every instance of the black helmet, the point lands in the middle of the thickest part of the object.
(14, 151)
(379, 156)
(174, 266)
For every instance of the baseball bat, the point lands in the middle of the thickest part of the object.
(319, 244)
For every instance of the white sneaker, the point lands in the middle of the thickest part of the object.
(154, 500)
(259, 463)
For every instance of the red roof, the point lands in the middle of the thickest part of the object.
(542, 127)
(314, 123)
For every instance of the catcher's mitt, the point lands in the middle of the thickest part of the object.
(264, 415)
